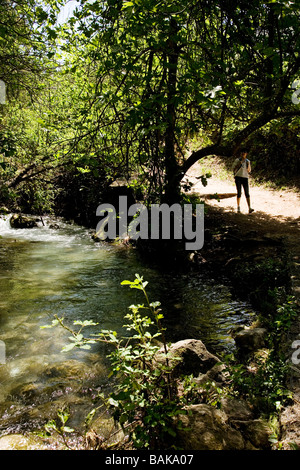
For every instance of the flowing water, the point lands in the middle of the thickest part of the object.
(46, 272)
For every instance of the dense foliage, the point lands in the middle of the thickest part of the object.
(119, 89)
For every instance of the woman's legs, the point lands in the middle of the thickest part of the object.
(238, 183)
(246, 189)
(249, 205)
(245, 183)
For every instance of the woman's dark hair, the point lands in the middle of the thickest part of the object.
(242, 150)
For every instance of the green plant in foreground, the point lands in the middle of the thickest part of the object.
(60, 427)
(265, 387)
(145, 399)
(145, 396)
(264, 382)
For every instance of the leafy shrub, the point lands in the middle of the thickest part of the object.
(264, 385)
(265, 283)
(263, 380)
(145, 399)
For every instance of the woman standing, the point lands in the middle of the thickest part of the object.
(242, 169)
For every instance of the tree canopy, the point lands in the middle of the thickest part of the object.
(126, 85)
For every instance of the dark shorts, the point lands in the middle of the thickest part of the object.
(242, 182)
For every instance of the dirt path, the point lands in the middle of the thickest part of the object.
(280, 204)
(277, 213)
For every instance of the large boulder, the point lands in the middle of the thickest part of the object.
(206, 428)
(20, 442)
(236, 409)
(256, 432)
(233, 427)
(250, 339)
(189, 357)
(4, 210)
(22, 221)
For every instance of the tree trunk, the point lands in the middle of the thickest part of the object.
(172, 182)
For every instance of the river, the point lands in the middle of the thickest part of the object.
(48, 271)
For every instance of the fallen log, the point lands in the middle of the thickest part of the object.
(218, 195)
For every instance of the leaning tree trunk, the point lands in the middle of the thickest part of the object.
(172, 181)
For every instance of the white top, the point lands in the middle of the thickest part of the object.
(244, 168)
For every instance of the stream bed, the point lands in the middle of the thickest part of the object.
(61, 271)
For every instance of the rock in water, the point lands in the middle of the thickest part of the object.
(22, 221)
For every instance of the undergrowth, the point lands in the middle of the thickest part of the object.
(148, 398)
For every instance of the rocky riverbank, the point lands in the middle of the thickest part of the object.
(259, 256)
(221, 421)
(255, 263)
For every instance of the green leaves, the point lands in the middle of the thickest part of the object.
(144, 397)
(127, 4)
(138, 283)
(78, 341)
(110, 91)
(60, 428)
(41, 15)
(55, 322)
